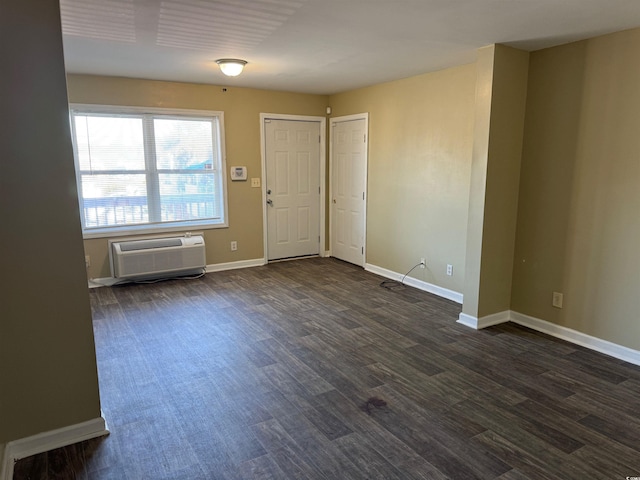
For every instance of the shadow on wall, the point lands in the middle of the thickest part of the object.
(579, 193)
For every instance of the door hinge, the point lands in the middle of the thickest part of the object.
(318, 238)
(362, 251)
(318, 190)
(365, 138)
(319, 138)
(363, 195)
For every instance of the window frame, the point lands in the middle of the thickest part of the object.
(151, 167)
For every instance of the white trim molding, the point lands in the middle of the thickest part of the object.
(573, 336)
(412, 282)
(103, 282)
(484, 322)
(43, 442)
(558, 331)
(214, 267)
(221, 267)
(468, 321)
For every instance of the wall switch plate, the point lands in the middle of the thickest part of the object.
(255, 182)
(449, 269)
(87, 261)
(234, 246)
(557, 299)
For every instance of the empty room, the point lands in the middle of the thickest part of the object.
(304, 239)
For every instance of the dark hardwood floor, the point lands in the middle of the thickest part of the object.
(310, 370)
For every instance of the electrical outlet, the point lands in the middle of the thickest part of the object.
(449, 269)
(423, 263)
(87, 261)
(255, 182)
(557, 299)
(234, 246)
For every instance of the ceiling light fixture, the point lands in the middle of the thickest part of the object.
(231, 67)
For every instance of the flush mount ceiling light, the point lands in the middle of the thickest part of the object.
(231, 67)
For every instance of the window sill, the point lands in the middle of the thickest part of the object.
(127, 231)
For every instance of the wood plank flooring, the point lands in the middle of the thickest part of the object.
(263, 373)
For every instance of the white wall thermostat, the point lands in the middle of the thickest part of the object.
(238, 173)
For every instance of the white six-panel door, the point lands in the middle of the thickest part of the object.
(292, 186)
(348, 187)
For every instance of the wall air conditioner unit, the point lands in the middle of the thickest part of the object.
(157, 257)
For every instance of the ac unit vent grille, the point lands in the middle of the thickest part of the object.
(158, 257)
(147, 244)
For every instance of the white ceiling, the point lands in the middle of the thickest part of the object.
(317, 46)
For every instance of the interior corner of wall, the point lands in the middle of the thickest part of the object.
(487, 49)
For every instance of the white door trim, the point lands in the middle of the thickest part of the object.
(347, 118)
(323, 173)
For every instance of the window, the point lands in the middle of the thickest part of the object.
(148, 170)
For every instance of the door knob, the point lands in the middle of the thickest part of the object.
(270, 202)
(334, 200)
(269, 192)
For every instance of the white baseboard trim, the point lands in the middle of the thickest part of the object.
(578, 338)
(484, 322)
(412, 282)
(220, 267)
(468, 321)
(102, 282)
(43, 442)
(572, 336)
(215, 267)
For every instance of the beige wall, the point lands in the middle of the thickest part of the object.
(242, 108)
(508, 100)
(420, 141)
(501, 90)
(478, 182)
(503, 177)
(48, 376)
(579, 208)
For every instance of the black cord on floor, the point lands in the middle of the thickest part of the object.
(391, 284)
(163, 279)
